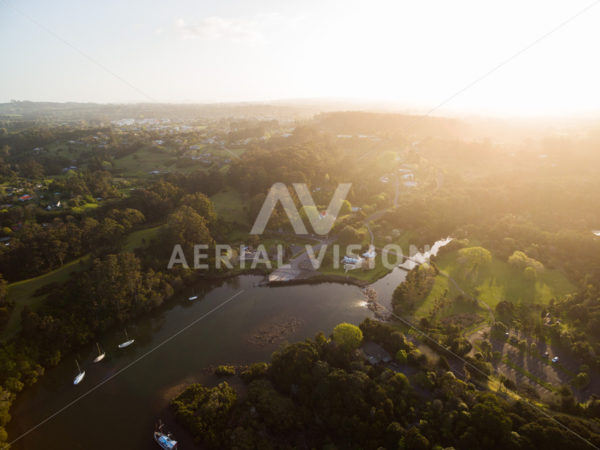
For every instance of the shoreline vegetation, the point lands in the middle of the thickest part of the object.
(368, 386)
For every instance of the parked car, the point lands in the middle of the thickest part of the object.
(555, 359)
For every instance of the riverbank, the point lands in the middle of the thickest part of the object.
(139, 391)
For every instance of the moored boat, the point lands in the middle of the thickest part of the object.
(163, 438)
(128, 342)
(101, 354)
(80, 375)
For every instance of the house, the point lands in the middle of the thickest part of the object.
(53, 206)
(375, 353)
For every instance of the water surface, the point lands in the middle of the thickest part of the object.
(121, 412)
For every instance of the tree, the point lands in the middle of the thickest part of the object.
(401, 356)
(414, 440)
(215, 405)
(581, 380)
(349, 235)
(530, 274)
(346, 207)
(491, 425)
(472, 259)
(188, 228)
(521, 261)
(3, 289)
(32, 169)
(348, 336)
(533, 348)
(202, 205)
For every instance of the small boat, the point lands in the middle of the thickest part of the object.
(192, 298)
(80, 375)
(163, 438)
(128, 342)
(101, 354)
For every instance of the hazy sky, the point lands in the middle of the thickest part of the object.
(415, 54)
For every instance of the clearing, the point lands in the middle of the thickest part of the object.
(497, 282)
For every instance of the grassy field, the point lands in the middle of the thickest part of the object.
(145, 160)
(229, 206)
(84, 207)
(22, 292)
(497, 282)
(141, 238)
(69, 151)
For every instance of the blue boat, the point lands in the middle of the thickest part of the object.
(164, 439)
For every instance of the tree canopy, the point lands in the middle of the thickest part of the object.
(348, 336)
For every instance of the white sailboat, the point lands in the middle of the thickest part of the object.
(128, 342)
(101, 354)
(80, 375)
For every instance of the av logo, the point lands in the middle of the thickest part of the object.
(321, 224)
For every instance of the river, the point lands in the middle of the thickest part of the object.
(121, 412)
